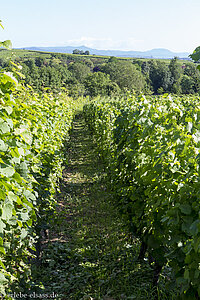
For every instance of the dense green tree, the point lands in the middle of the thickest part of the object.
(40, 61)
(113, 59)
(55, 71)
(76, 51)
(46, 76)
(125, 74)
(55, 62)
(97, 68)
(100, 84)
(160, 76)
(145, 69)
(65, 74)
(79, 71)
(81, 52)
(191, 71)
(175, 74)
(31, 72)
(89, 63)
(187, 85)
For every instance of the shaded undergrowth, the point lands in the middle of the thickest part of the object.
(88, 253)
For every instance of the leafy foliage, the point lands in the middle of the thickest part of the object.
(125, 75)
(99, 83)
(196, 54)
(151, 148)
(6, 44)
(81, 52)
(32, 130)
(93, 254)
(54, 71)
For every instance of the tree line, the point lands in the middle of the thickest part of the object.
(83, 76)
(81, 52)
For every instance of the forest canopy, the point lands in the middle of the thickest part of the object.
(91, 75)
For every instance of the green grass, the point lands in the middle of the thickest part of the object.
(89, 254)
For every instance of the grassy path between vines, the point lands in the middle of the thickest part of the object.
(88, 254)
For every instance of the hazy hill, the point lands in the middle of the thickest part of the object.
(154, 53)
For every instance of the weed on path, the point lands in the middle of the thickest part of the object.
(88, 253)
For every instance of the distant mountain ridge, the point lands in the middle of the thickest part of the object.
(154, 53)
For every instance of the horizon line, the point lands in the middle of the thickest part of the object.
(77, 46)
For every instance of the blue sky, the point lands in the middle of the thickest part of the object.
(103, 24)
